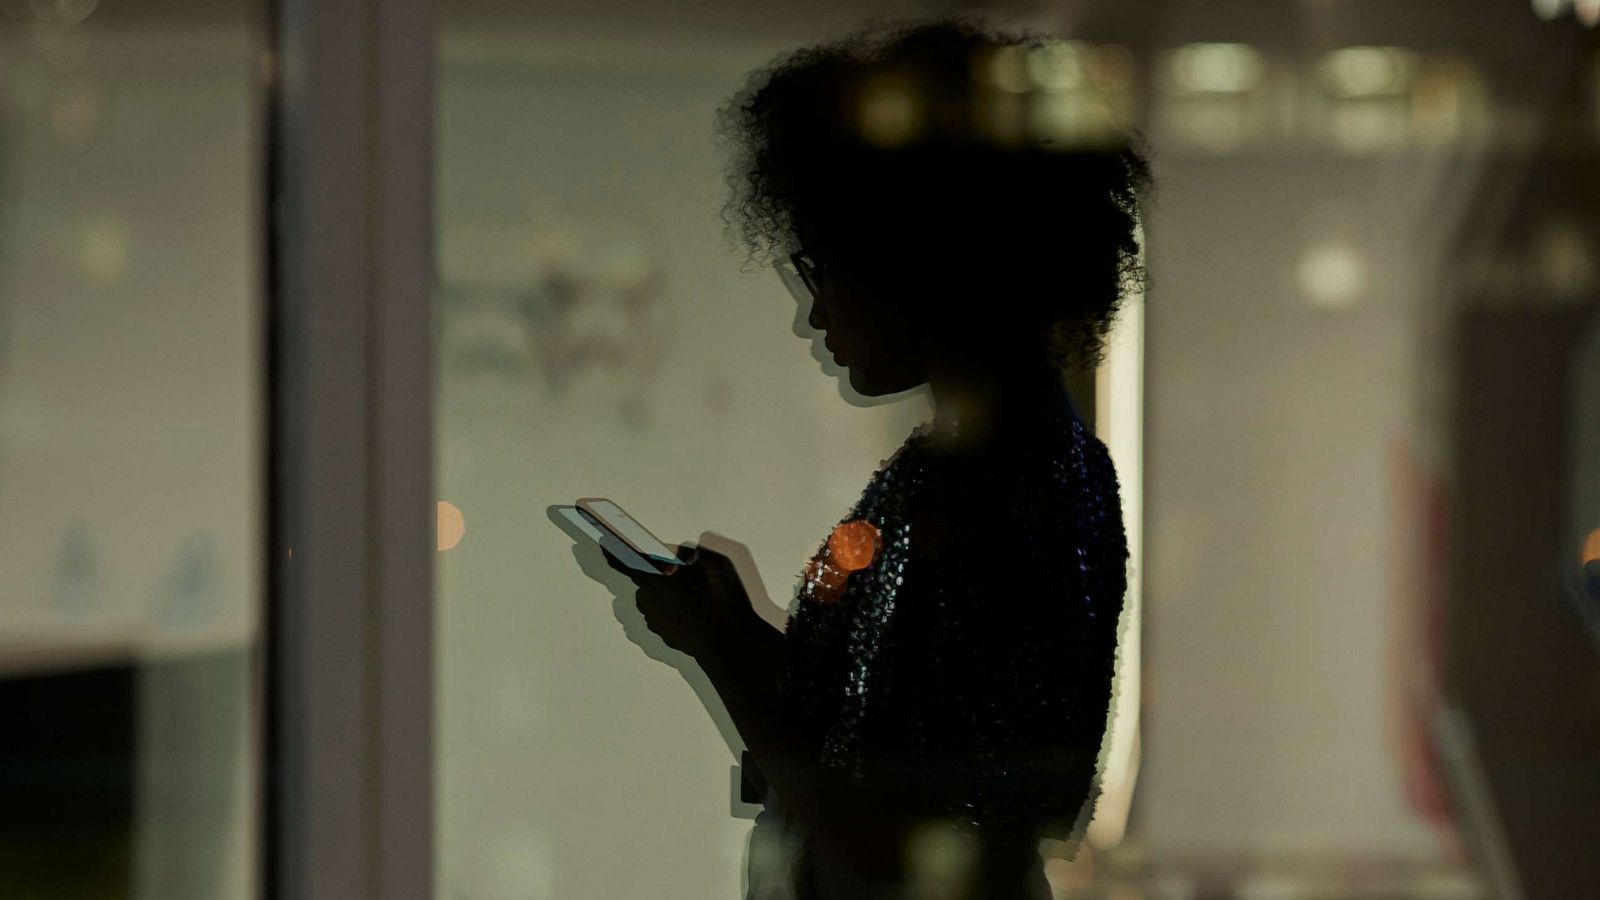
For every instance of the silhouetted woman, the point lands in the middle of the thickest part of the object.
(949, 655)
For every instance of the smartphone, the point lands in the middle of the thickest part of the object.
(579, 525)
(612, 518)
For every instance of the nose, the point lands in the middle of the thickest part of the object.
(814, 318)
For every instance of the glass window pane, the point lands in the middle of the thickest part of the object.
(130, 143)
(1352, 420)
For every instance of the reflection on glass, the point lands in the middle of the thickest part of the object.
(128, 452)
(1371, 254)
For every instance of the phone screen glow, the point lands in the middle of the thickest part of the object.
(612, 516)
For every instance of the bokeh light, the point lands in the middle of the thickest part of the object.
(854, 544)
(1563, 258)
(1057, 66)
(824, 582)
(1215, 68)
(890, 113)
(1005, 69)
(451, 527)
(1331, 275)
(1366, 71)
(103, 251)
(1549, 10)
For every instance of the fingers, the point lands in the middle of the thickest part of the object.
(734, 559)
(648, 600)
(712, 561)
(639, 578)
(659, 609)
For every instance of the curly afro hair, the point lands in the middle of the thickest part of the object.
(906, 154)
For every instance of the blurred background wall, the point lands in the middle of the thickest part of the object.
(129, 466)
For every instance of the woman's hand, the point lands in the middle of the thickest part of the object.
(700, 608)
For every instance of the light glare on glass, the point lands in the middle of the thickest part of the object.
(1366, 71)
(1111, 67)
(1057, 66)
(1548, 10)
(1005, 68)
(1332, 275)
(1216, 68)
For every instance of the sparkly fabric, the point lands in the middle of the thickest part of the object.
(970, 662)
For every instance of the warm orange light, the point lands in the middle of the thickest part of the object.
(825, 581)
(452, 525)
(1591, 547)
(854, 545)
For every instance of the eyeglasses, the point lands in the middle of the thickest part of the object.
(802, 275)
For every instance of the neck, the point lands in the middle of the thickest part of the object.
(978, 404)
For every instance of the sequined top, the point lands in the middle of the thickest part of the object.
(969, 661)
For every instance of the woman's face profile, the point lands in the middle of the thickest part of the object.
(873, 339)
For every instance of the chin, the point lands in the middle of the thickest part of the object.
(862, 384)
(868, 386)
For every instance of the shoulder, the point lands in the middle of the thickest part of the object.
(1037, 480)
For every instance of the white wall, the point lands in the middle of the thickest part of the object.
(1272, 552)
(571, 764)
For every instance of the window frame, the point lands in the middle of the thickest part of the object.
(347, 737)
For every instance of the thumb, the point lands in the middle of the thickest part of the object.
(721, 575)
